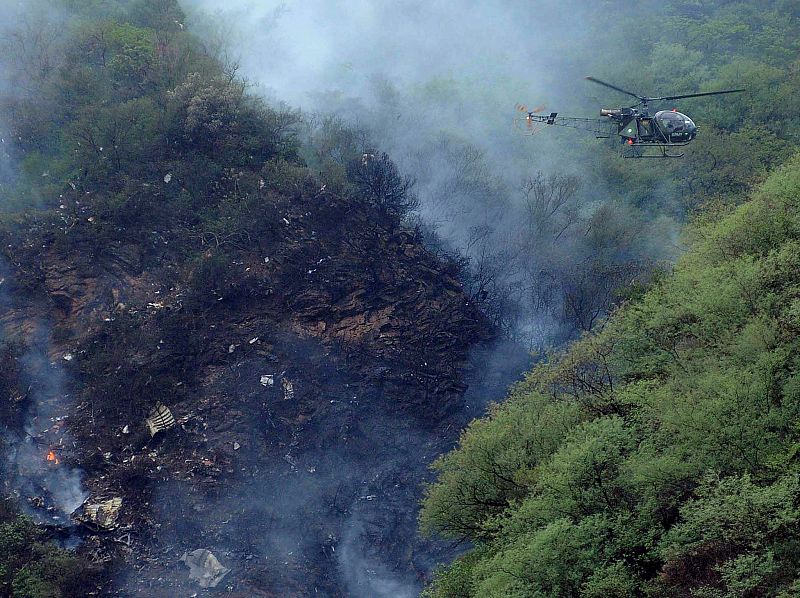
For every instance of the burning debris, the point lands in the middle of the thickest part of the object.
(52, 457)
(160, 420)
(204, 568)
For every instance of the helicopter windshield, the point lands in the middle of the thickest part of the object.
(675, 127)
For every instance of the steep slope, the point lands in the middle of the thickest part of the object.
(659, 456)
(365, 338)
(180, 254)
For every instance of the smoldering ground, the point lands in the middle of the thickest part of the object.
(320, 491)
(36, 442)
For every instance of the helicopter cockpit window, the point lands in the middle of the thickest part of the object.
(672, 121)
(675, 127)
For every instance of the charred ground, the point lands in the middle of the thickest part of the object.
(372, 332)
(181, 252)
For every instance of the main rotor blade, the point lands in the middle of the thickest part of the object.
(614, 87)
(697, 95)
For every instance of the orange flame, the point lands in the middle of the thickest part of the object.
(52, 457)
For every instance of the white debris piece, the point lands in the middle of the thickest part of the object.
(288, 390)
(236, 446)
(168, 177)
(126, 429)
(268, 380)
(69, 357)
(253, 341)
(204, 568)
(160, 419)
(231, 348)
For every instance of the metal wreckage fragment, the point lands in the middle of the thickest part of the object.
(101, 515)
(204, 568)
(160, 419)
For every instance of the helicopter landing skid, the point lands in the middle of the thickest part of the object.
(640, 150)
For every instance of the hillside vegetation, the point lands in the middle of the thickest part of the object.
(657, 457)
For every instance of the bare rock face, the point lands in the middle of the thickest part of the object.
(307, 394)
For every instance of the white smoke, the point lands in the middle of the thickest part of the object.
(48, 489)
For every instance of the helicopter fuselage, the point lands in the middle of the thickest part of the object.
(666, 127)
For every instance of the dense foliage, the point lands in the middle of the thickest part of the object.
(657, 457)
(33, 567)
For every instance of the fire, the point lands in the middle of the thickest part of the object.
(52, 457)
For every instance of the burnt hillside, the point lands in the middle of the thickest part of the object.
(365, 337)
(171, 249)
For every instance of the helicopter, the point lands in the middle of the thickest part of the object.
(639, 131)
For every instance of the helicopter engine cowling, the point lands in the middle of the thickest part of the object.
(675, 126)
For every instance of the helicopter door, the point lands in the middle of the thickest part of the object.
(645, 129)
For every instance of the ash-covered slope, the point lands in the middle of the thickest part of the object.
(311, 378)
(174, 255)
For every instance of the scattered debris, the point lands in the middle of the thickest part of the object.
(160, 419)
(268, 380)
(204, 568)
(102, 514)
